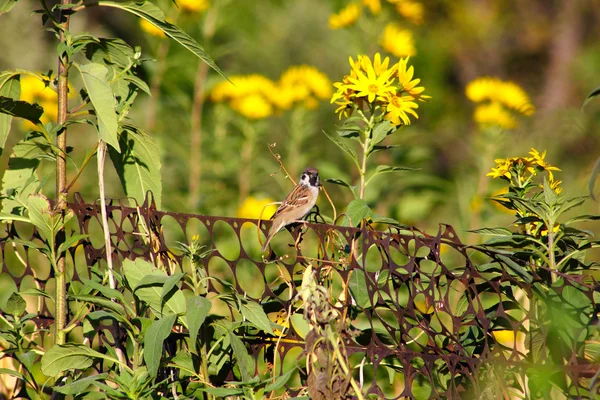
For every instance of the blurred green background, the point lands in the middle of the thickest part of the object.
(212, 165)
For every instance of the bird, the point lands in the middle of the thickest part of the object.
(297, 204)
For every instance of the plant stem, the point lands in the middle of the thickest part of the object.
(363, 169)
(551, 258)
(61, 181)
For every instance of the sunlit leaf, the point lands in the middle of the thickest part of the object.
(358, 210)
(197, 310)
(60, 358)
(102, 98)
(15, 305)
(244, 360)
(11, 90)
(153, 342)
(138, 165)
(156, 17)
(255, 314)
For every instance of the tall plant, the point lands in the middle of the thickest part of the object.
(108, 69)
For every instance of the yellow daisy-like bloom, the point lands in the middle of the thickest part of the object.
(253, 106)
(373, 5)
(399, 107)
(371, 85)
(504, 167)
(252, 207)
(411, 10)
(346, 17)
(408, 84)
(540, 163)
(194, 5)
(494, 114)
(151, 29)
(34, 90)
(304, 84)
(244, 85)
(398, 41)
(506, 93)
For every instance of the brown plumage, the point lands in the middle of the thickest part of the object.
(297, 204)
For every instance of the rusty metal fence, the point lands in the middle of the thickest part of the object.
(428, 316)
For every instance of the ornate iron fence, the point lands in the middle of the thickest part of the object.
(436, 312)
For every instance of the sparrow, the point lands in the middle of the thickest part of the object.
(297, 204)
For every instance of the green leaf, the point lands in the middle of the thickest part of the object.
(70, 242)
(6, 371)
(41, 216)
(21, 109)
(492, 231)
(590, 96)
(244, 360)
(156, 17)
(222, 392)
(516, 268)
(593, 177)
(100, 301)
(380, 131)
(135, 271)
(169, 285)
(15, 305)
(357, 210)
(112, 51)
(382, 169)
(342, 183)
(12, 90)
(104, 290)
(153, 342)
(138, 165)
(358, 288)
(342, 146)
(375, 149)
(79, 386)
(255, 314)
(102, 98)
(7, 5)
(69, 356)
(280, 381)
(197, 310)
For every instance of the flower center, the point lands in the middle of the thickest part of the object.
(373, 88)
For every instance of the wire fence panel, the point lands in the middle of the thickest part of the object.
(425, 316)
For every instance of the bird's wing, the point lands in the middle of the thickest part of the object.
(298, 197)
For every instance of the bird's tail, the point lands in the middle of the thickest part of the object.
(264, 247)
(272, 232)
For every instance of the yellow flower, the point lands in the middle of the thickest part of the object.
(371, 85)
(194, 5)
(253, 106)
(151, 29)
(411, 10)
(373, 5)
(406, 81)
(398, 41)
(301, 84)
(252, 207)
(494, 114)
(506, 93)
(346, 17)
(250, 96)
(35, 90)
(540, 163)
(398, 109)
